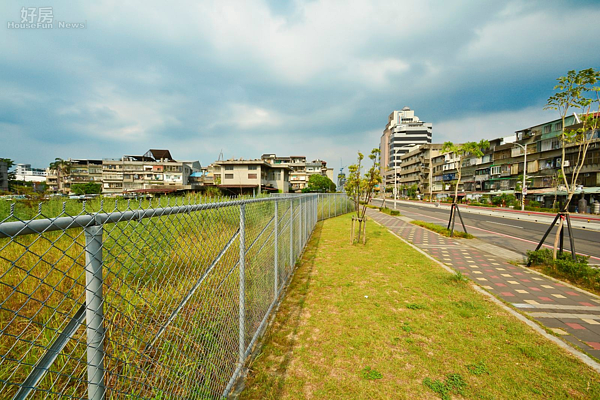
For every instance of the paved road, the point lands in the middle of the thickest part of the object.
(511, 234)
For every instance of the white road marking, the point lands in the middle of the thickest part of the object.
(500, 223)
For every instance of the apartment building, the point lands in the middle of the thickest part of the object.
(3, 176)
(500, 170)
(416, 167)
(251, 176)
(154, 172)
(301, 169)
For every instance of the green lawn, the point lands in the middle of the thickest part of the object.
(381, 321)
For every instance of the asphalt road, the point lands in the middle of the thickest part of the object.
(515, 235)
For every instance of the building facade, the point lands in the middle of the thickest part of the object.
(154, 172)
(251, 176)
(417, 167)
(500, 170)
(301, 169)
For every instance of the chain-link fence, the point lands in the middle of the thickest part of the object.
(152, 301)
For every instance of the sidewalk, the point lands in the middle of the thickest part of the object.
(585, 221)
(567, 311)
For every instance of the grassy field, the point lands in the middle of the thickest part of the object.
(381, 321)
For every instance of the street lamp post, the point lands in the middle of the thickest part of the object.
(395, 187)
(523, 187)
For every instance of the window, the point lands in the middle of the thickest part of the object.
(251, 176)
(228, 176)
(547, 128)
(496, 170)
(251, 167)
(229, 168)
(558, 126)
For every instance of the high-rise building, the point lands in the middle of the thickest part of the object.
(403, 132)
(406, 132)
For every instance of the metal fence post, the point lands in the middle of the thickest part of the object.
(242, 333)
(316, 209)
(276, 250)
(291, 233)
(94, 312)
(329, 205)
(300, 231)
(318, 202)
(335, 196)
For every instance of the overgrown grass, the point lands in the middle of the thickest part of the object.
(150, 267)
(442, 230)
(381, 321)
(578, 272)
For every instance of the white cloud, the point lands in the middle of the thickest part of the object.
(489, 125)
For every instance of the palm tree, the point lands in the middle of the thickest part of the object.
(62, 167)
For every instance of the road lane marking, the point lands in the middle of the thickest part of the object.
(500, 223)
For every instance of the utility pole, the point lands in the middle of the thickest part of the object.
(523, 186)
(395, 186)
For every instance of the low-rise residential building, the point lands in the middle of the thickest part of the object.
(251, 176)
(154, 172)
(301, 169)
(416, 167)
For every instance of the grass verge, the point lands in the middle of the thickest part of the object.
(388, 211)
(577, 272)
(441, 230)
(382, 321)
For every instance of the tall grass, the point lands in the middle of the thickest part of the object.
(149, 268)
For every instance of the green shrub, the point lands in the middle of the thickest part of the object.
(442, 230)
(541, 209)
(506, 199)
(578, 271)
(387, 211)
(534, 203)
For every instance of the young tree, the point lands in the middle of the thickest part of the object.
(362, 189)
(573, 94)
(578, 91)
(460, 151)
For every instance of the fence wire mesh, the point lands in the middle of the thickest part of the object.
(160, 300)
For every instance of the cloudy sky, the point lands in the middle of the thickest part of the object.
(314, 78)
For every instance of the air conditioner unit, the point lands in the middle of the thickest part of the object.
(566, 163)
